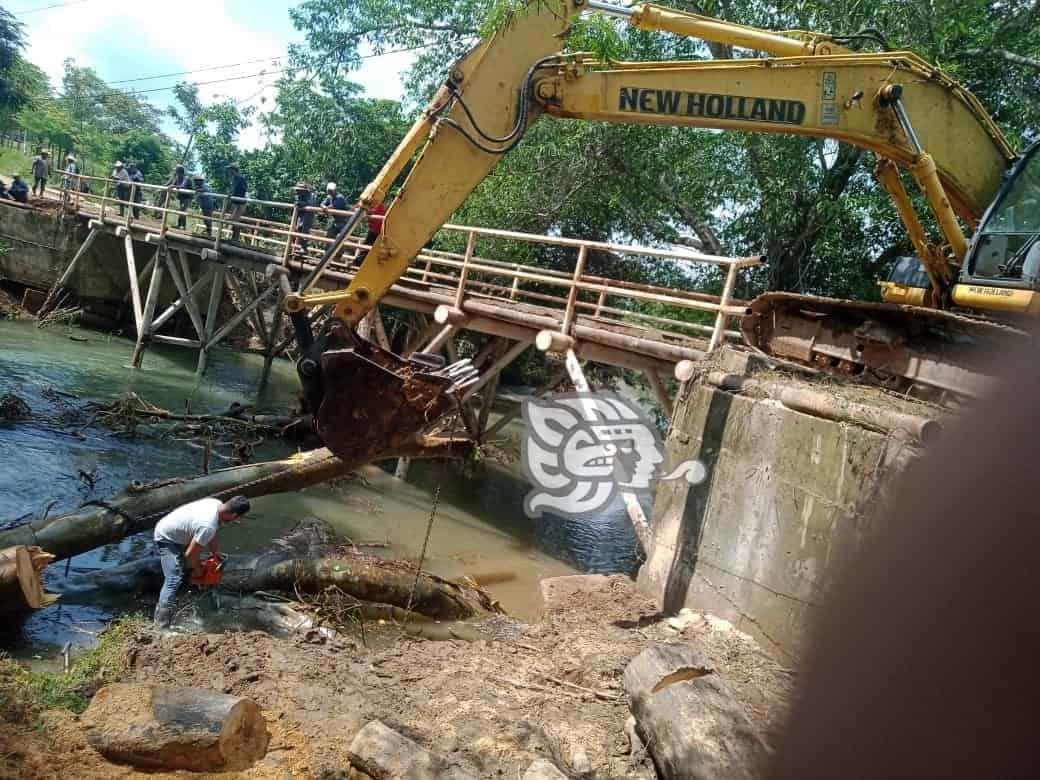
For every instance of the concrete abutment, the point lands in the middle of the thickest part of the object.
(787, 498)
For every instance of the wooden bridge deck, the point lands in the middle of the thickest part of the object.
(595, 317)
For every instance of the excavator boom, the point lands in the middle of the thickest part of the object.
(909, 113)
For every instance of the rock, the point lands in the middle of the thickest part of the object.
(543, 770)
(158, 727)
(383, 754)
(559, 592)
(580, 764)
(636, 748)
(691, 722)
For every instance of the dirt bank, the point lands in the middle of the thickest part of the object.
(491, 706)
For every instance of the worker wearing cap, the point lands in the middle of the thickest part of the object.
(71, 178)
(204, 197)
(41, 171)
(122, 178)
(180, 537)
(238, 188)
(333, 200)
(18, 190)
(304, 217)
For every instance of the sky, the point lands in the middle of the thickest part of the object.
(132, 39)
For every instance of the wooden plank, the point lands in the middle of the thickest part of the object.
(135, 290)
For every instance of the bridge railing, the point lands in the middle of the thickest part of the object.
(458, 275)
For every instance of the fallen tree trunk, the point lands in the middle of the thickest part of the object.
(155, 727)
(140, 506)
(306, 560)
(686, 715)
(20, 587)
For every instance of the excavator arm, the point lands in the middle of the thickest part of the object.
(895, 104)
(907, 112)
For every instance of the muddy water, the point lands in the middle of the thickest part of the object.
(479, 528)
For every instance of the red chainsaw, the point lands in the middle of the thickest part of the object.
(212, 572)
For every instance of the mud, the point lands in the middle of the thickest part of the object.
(551, 689)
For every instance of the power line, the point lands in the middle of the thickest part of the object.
(240, 78)
(49, 7)
(196, 70)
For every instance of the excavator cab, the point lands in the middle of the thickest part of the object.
(1006, 249)
(1002, 269)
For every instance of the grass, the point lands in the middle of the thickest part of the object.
(13, 161)
(24, 694)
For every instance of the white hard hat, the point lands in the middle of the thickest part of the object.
(331, 186)
(71, 157)
(119, 163)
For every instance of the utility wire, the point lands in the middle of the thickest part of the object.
(101, 97)
(48, 7)
(197, 70)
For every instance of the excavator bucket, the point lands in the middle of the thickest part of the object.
(375, 402)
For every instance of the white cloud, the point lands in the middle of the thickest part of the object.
(191, 34)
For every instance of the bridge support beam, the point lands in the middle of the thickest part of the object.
(216, 292)
(146, 327)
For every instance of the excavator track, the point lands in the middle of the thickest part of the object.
(927, 352)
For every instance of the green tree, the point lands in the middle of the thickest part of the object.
(20, 81)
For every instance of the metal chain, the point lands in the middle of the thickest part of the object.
(429, 522)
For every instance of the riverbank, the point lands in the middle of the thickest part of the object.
(549, 689)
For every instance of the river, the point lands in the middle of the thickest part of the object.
(479, 529)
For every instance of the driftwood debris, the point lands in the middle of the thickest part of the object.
(20, 587)
(686, 715)
(156, 727)
(140, 506)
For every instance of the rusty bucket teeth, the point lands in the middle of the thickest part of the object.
(375, 402)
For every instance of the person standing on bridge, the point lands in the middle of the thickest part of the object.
(19, 190)
(41, 171)
(180, 537)
(304, 216)
(239, 186)
(333, 200)
(137, 178)
(71, 178)
(182, 184)
(204, 196)
(122, 185)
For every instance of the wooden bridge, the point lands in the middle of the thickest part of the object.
(517, 305)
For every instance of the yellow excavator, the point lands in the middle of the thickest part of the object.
(945, 316)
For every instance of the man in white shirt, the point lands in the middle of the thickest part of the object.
(180, 537)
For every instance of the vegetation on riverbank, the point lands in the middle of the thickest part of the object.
(25, 694)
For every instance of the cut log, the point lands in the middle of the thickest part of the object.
(156, 727)
(383, 754)
(20, 587)
(139, 507)
(692, 724)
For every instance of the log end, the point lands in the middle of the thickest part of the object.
(158, 727)
(21, 588)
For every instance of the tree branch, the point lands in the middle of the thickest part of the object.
(1010, 56)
